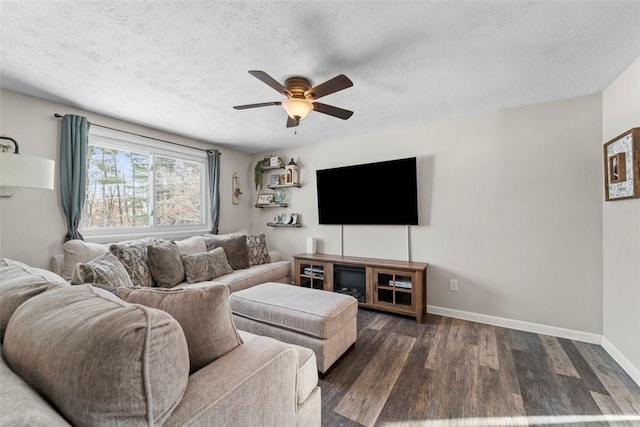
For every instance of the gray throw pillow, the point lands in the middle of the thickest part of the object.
(105, 270)
(206, 265)
(204, 315)
(133, 255)
(236, 250)
(257, 249)
(165, 264)
(214, 240)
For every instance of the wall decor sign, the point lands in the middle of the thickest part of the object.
(264, 199)
(622, 166)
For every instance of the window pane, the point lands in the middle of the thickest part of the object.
(178, 191)
(117, 188)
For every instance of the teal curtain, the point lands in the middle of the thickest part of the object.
(213, 170)
(73, 171)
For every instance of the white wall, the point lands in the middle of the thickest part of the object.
(510, 205)
(32, 227)
(621, 228)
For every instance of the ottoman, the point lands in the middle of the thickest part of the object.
(323, 321)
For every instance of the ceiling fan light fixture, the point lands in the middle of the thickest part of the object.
(297, 108)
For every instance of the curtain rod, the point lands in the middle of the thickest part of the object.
(58, 116)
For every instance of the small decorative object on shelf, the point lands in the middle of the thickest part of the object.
(285, 220)
(265, 199)
(292, 173)
(274, 180)
(279, 195)
(274, 162)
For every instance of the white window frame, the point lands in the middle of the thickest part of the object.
(125, 141)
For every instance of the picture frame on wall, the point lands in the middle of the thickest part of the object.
(264, 199)
(622, 166)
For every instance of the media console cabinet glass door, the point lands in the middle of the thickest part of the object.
(393, 286)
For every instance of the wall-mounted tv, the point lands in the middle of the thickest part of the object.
(382, 193)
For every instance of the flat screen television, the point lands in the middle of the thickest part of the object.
(382, 193)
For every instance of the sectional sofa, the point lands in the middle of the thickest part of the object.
(80, 355)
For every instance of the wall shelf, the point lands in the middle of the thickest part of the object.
(275, 224)
(273, 205)
(273, 187)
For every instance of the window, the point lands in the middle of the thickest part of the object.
(133, 186)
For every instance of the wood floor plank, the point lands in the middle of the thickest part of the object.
(447, 378)
(582, 402)
(439, 342)
(540, 389)
(488, 349)
(378, 322)
(557, 357)
(584, 369)
(608, 407)
(617, 383)
(367, 396)
(508, 377)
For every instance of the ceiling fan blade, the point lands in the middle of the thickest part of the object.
(340, 113)
(262, 104)
(291, 123)
(330, 86)
(269, 81)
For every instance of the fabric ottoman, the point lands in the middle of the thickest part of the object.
(323, 321)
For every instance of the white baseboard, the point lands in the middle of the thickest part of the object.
(516, 324)
(537, 328)
(633, 371)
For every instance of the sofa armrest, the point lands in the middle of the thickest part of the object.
(252, 385)
(57, 264)
(274, 256)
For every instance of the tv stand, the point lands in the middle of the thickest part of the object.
(393, 286)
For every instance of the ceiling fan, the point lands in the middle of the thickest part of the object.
(301, 97)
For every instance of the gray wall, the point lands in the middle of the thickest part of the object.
(510, 205)
(32, 225)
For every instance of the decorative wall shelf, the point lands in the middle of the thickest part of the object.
(274, 224)
(273, 205)
(273, 187)
(271, 168)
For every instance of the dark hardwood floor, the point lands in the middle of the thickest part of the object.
(450, 372)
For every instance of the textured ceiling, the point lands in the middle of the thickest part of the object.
(180, 66)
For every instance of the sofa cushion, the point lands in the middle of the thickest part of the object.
(307, 378)
(257, 249)
(133, 255)
(214, 240)
(192, 245)
(76, 251)
(255, 275)
(21, 405)
(20, 283)
(204, 314)
(98, 359)
(206, 266)
(312, 312)
(104, 270)
(165, 264)
(236, 250)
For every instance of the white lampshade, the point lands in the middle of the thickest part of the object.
(20, 170)
(297, 108)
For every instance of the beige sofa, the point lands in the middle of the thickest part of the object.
(78, 251)
(57, 339)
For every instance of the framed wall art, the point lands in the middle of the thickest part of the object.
(264, 199)
(622, 166)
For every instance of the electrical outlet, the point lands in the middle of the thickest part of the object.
(453, 285)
